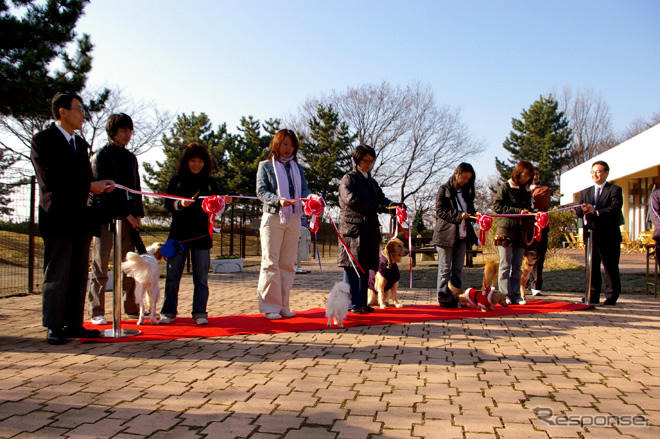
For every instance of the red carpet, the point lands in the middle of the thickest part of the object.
(314, 319)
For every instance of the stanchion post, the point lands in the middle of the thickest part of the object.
(117, 282)
(588, 263)
(116, 331)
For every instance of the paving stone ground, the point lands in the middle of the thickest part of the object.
(560, 375)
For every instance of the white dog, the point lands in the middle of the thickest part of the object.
(337, 304)
(144, 269)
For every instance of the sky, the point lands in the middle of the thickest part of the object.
(488, 59)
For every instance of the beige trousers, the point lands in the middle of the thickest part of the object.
(279, 246)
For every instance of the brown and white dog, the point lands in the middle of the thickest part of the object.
(384, 282)
(485, 299)
(491, 270)
(144, 269)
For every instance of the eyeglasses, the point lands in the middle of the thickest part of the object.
(78, 108)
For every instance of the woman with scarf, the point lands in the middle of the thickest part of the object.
(453, 234)
(279, 178)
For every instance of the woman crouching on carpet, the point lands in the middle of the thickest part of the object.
(360, 200)
(190, 224)
(513, 197)
(453, 234)
(279, 177)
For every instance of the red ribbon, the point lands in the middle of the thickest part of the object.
(213, 205)
(485, 222)
(314, 207)
(402, 218)
(541, 222)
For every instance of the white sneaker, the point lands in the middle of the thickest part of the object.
(522, 302)
(99, 320)
(508, 301)
(536, 292)
(272, 316)
(202, 321)
(287, 313)
(165, 320)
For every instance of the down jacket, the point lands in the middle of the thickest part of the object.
(360, 201)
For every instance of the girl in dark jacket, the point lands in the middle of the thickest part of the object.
(190, 223)
(360, 201)
(453, 233)
(513, 197)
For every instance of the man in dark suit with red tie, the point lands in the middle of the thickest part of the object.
(61, 163)
(601, 210)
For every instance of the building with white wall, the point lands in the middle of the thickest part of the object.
(634, 165)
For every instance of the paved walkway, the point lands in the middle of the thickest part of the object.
(478, 378)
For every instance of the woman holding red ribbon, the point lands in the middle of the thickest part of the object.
(190, 226)
(513, 197)
(453, 234)
(361, 200)
(281, 179)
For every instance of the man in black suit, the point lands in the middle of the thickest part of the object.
(601, 210)
(61, 163)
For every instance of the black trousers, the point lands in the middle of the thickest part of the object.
(541, 250)
(607, 251)
(66, 259)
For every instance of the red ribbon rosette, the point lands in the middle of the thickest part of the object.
(213, 205)
(485, 223)
(542, 221)
(314, 207)
(402, 218)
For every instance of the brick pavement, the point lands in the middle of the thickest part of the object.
(478, 378)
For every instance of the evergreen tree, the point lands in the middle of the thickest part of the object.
(418, 225)
(34, 34)
(327, 153)
(250, 148)
(542, 137)
(5, 188)
(187, 129)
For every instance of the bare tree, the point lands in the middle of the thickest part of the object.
(416, 140)
(485, 192)
(149, 123)
(590, 122)
(639, 125)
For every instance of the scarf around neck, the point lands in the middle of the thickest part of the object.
(287, 212)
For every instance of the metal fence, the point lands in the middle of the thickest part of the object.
(21, 247)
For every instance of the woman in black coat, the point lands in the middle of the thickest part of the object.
(453, 234)
(513, 197)
(190, 224)
(360, 200)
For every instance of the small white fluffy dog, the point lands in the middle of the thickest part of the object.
(337, 304)
(144, 269)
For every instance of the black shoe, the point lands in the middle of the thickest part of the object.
(367, 308)
(55, 336)
(584, 300)
(82, 332)
(609, 302)
(358, 311)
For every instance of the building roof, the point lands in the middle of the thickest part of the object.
(632, 156)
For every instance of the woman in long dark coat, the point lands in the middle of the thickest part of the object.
(453, 233)
(360, 200)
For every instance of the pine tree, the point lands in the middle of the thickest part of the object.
(187, 129)
(34, 34)
(542, 137)
(418, 225)
(327, 153)
(5, 188)
(250, 148)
